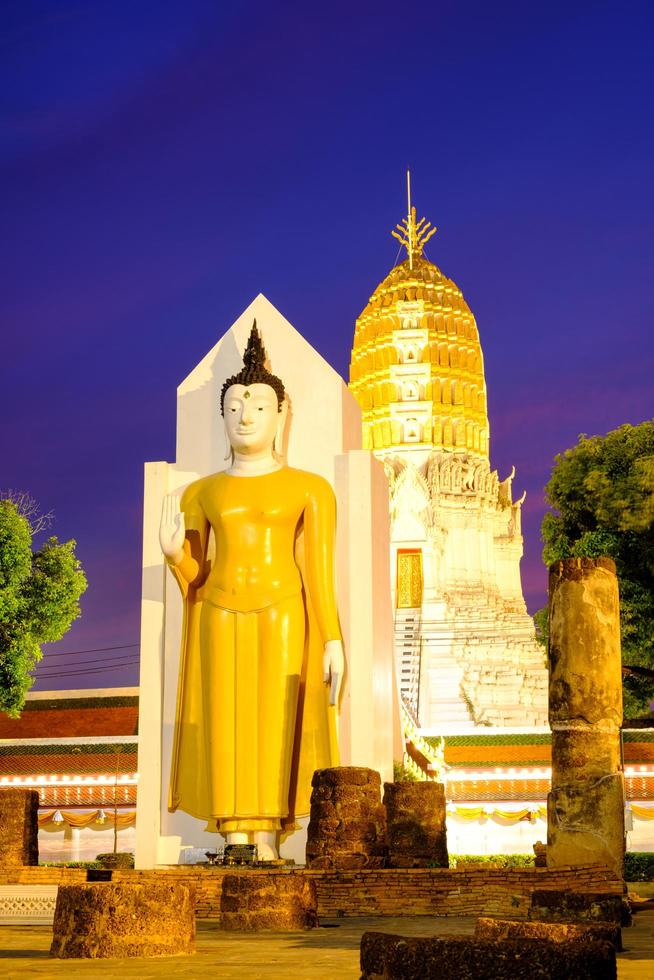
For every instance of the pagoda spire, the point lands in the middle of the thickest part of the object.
(413, 234)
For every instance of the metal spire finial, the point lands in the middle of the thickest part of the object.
(413, 235)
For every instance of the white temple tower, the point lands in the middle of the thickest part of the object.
(465, 644)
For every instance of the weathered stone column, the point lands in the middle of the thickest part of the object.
(416, 835)
(120, 919)
(19, 827)
(347, 828)
(585, 809)
(254, 900)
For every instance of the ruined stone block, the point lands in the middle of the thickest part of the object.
(585, 813)
(347, 826)
(284, 902)
(584, 822)
(19, 827)
(416, 834)
(127, 919)
(386, 957)
(557, 932)
(552, 905)
(584, 643)
(584, 752)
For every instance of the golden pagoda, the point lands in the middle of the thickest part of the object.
(417, 369)
(465, 644)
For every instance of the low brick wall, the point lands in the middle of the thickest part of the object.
(502, 893)
(427, 891)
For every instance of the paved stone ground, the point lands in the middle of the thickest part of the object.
(327, 953)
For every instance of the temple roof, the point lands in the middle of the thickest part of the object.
(77, 748)
(73, 717)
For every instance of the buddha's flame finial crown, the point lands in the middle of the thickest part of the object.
(413, 235)
(254, 370)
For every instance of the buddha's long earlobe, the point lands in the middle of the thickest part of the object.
(229, 452)
(278, 443)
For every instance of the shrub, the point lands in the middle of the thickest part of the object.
(121, 859)
(639, 866)
(493, 860)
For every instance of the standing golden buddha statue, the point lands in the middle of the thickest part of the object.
(262, 655)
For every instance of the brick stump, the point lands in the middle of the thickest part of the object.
(416, 835)
(403, 958)
(347, 828)
(19, 827)
(283, 902)
(118, 920)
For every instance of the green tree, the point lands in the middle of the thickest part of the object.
(39, 596)
(602, 495)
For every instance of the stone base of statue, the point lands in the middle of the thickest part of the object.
(347, 829)
(280, 902)
(415, 832)
(118, 920)
(19, 828)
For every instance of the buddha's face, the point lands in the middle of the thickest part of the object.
(251, 417)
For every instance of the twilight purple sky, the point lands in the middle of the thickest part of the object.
(163, 162)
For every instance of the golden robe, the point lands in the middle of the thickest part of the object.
(253, 720)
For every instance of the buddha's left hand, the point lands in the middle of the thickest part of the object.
(333, 663)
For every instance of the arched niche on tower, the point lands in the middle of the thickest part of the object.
(410, 391)
(412, 430)
(409, 353)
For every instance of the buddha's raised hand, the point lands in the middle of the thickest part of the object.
(172, 529)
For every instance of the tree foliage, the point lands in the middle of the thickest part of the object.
(39, 599)
(602, 495)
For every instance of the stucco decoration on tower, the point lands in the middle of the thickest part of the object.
(465, 645)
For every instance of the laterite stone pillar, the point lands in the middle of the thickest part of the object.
(416, 834)
(347, 829)
(121, 919)
(257, 900)
(585, 808)
(19, 827)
